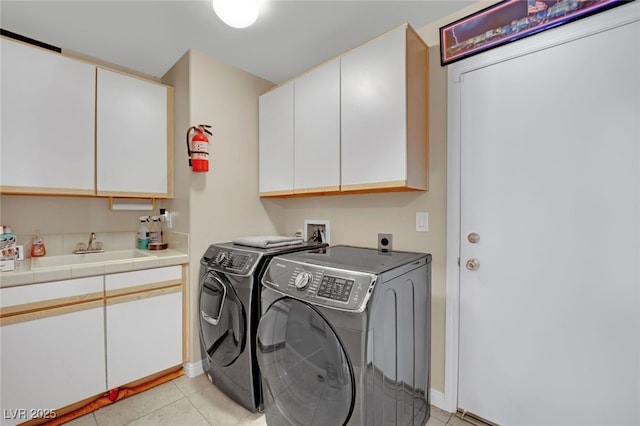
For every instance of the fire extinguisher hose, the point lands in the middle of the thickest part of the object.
(188, 146)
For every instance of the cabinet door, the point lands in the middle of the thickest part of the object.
(374, 111)
(133, 143)
(276, 141)
(144, 335)
(52, 362)
(143, 323)
(48, 104)
(317, 129)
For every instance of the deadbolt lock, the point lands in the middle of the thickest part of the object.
(473, 238)
(473, 264)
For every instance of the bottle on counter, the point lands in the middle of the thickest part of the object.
(155, 231)
(37, 246)
(142, 237)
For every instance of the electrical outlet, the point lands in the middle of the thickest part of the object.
(385, 242)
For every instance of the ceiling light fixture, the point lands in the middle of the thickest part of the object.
(237, 13)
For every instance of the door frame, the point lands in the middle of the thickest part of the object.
(621, 15)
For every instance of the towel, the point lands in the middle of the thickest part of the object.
(268, 241)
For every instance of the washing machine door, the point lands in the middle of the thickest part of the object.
(222, 320)
(307, 377)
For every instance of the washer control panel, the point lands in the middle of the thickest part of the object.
(230, 261)
(320, 285)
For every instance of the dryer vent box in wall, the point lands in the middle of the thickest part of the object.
(317, 231)
(385, 242)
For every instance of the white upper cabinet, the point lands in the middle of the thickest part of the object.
(317, 130)
(358, 123)
(133, 120)
(384, 101)
(51, 105)
(48, 104)
(276, 141)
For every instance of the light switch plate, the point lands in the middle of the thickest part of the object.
(422, 221)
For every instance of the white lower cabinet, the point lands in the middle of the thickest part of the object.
(143, 323)
(143, 337)
(53, 357)
(59, 338)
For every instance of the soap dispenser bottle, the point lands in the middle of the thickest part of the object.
(37, 246)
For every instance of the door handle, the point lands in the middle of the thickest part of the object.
(473, 264)
(210, 319)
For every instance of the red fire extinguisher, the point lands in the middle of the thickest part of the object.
(198, 148)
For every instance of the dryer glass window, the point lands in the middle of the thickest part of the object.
(222, 320)
(304, 366)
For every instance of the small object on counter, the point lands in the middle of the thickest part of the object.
(8, 249)
(158, 246)
(155, 231)
(8, 244)
(37, 246)
(142, 239)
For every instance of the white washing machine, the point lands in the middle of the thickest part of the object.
(344, 338)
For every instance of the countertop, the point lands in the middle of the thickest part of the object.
(23, 274)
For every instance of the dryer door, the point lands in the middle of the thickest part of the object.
(222, 320)
(307, 377)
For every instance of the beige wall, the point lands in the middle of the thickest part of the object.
(222, 204)
(63, 215)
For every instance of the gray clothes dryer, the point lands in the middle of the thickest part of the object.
(229, 309)
(344, 338)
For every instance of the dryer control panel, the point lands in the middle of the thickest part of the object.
(320, 285)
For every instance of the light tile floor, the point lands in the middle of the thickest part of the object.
(195, 402)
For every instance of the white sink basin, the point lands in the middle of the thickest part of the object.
(84, 259)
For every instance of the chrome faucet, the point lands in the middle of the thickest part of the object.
(92, 247)
(92, 238)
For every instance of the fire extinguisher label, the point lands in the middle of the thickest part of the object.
(199, 156)
(199, 147)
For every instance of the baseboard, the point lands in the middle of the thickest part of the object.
(193, 369)
(437, 399)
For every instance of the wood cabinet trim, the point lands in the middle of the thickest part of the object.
(46, 313)
(28, 190)
(129, 297)
(30, 307)
(142, 288)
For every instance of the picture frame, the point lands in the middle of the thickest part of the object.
(511, 20)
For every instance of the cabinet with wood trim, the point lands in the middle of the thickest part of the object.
(143, 323)
(72, 128)
(384, 114)
(133, 128)
(48, 115)
(366, 123)
(53, 347)
(66, 341)
(275, 124)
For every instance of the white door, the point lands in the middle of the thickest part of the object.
(550, 182)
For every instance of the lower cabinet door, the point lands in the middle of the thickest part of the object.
(51, 362)
(144, 335)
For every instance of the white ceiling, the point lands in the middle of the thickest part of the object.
(149, 36)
